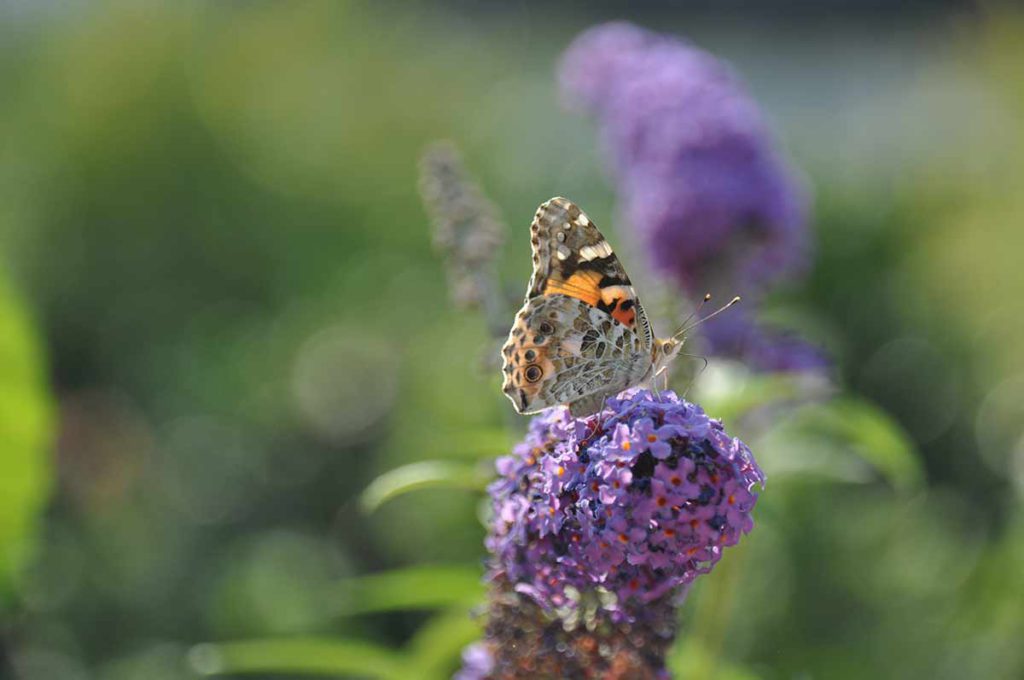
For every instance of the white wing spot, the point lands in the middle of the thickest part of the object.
(562, 252)
(595, 251)
(582, 220)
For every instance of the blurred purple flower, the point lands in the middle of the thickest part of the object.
(698, 173)
(477, 662)
(766, 348)
(636, 510)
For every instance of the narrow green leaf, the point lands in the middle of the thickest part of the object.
(299, 656)
(435, 649)
(426, 474)
(688, 660)
(877, 439)
(415, 588)
(728, 391)
(845, 438)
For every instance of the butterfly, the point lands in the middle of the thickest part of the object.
(582, 334)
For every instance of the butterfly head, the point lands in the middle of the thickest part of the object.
(664, 351)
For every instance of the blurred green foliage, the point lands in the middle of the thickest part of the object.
(25, 440)
(211, 210)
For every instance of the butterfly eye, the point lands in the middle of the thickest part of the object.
(533, 373)
(546, 328)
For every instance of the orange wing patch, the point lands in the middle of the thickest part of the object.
(627, 317)
(617, 301)
(583, 285)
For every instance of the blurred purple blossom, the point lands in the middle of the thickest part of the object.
(699, 176)
(477, 662)
(764, 347)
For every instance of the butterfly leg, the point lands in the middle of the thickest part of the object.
(663, 371)
(598, 422)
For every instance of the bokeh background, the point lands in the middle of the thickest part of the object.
(221, 321)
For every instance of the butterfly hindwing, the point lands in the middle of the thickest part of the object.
(564, 351)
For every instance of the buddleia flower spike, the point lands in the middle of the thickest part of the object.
(700, 178)
(594, 544)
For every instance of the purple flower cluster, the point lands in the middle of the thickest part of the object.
(697, 168)
(698, 175)
(621, 509)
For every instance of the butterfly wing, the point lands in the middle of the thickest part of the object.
(563, 351)
(571, 257)
(582, 333)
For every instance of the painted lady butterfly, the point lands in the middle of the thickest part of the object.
(582, 334)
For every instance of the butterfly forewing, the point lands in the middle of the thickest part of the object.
(582, 333)
(571, 257)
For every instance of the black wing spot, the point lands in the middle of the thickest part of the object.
(608, 307)
(619, 279)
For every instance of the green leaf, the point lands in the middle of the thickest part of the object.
(26, 432)
(299, 656)
(845, 438)
(727, 391)
(415, 588)
(428, 474)
(435, 649)
(877, 438)
(688, 660)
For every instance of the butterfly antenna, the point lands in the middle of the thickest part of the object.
(712, 315)
(707, 296)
